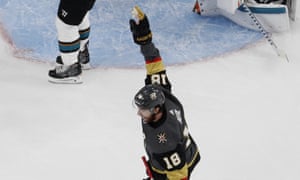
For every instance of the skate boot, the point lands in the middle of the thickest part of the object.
(83, 58)
(64, 74)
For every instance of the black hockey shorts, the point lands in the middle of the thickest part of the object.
(72, 12)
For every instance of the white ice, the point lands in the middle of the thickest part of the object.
(243, 110)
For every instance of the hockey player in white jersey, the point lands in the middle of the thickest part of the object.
(73, 27)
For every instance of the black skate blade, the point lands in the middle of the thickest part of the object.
(69, 80)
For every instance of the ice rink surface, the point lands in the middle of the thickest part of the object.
(243, 110)
(182, 36)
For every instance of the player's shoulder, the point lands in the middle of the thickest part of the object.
(171, 97)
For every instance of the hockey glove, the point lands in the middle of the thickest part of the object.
(140, 27)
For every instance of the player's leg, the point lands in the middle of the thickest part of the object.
(69, 45)
(69, 16)
(84, 33)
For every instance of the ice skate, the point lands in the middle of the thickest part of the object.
(66, 74)
(83, 58)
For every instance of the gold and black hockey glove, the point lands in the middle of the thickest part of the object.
(140, 27)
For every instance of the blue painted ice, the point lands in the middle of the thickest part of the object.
(181, 35)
